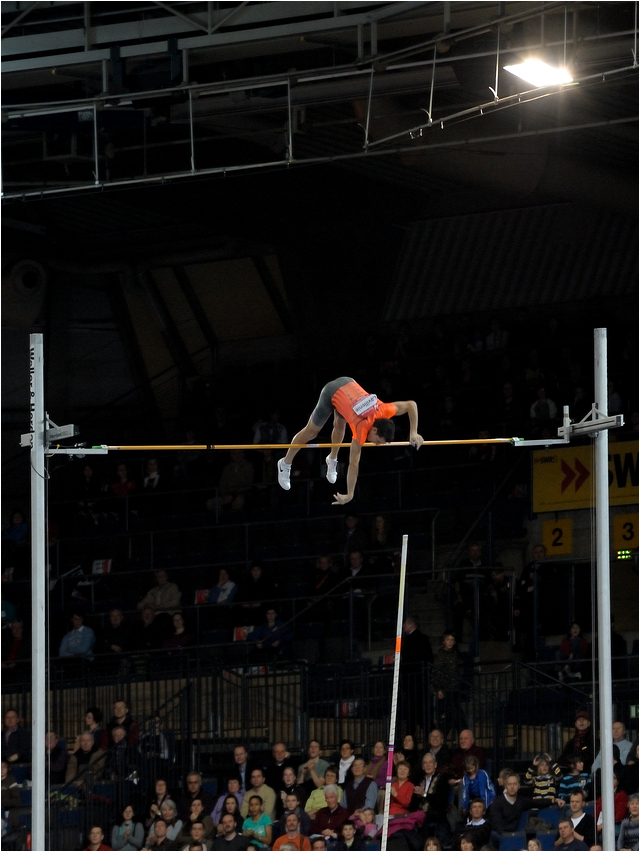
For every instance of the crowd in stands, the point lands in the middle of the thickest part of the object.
(447, 795)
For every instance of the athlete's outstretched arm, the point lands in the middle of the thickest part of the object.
(352, 474)
(409, 407)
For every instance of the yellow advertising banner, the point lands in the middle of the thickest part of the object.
(563, 478)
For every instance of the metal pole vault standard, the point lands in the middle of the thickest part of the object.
(394, 694)
(603, 583)
(37, 418)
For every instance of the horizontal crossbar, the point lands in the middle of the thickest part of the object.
(182, 447)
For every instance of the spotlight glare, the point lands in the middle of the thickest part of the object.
(539, 73)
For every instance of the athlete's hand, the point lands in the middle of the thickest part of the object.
(416, 440)
(341, 499)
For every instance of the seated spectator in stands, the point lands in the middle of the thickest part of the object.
(16, 740)
(575, 779)
(11, 795)
(257, 826)
(621, 741)
(629, 773)
(121, 718)
(158, 838)
(116, 636)
(293, 805)
(57, 758)
(381, 540)
(544, 776)
(351, 538)
(224, 590)
(270, 431)
(122, 758)
(329, 820)
(476, 784)
(160, 795)
(360, 792)
(409, 752)
(584, 827)
(182, 637)
(87, 759)
(229, 835)
(581, 743)
(620, 803)
(629, 827)
(128, 833)
(445, 682)
(360, 582)
(88, 487)
(344, 760)
(228, 806)
(79, 641)
(324, 581)
(266, 794)
(376, 769)
(151, 631)
(505, 811)
(153, 480)
(440, 750)
(311, 772)
(292, 834)
(317, 798)
(542, 412)
(236, 481)
(366, 824)
(163, 597)
(401, 791)
(272, 637)
(349, 839)
(572, 649)
(280, 759)
(567, 838)
(197, 815)
(477, 826)
(195, 791)
(96, 838)
(123, 485)
(169, 814)
(16, 646)
(257, 588)
(15, 544)
(155, 747)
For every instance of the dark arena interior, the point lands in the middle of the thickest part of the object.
(210, 210)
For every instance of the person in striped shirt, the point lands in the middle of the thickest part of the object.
(543, 775)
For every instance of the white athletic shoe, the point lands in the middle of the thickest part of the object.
(332, 469)
(284, 475)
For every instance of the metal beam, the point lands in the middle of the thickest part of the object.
(197, 310)
(18, 18)
(182, 16)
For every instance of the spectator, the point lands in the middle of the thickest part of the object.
(229, 837)
(242, 766)
(476, 784)
(160, 795)
(574, 780)
(11, 794)
(544, 776)
(620, 740)
(629, 834)
(169, 814)
(79, 641)
(542, 412)
(151, 631)
(270, 431)
(329, 820)
(495, 606)
(376, 769)
(196, 791)
(584, 827)
(128, 833)
(15, 543)
(505, 811)
(531, 585)
(158, 838)
(288, 786)
(439, 750)
(236, 481)
(155, 747)
(629, 774)
(359, 792)
(345, 761)
(477, 827)
(225, 589)
(620, 804)
(572, 649)
(293, 805)
(116, 637)
(415, 655)
(257, 588)
(280, 759)
(163, 597)
(182, 637)
(196, 816)
(16, 647)
(123, 485)
(401, 791)
(445, 682)
(311, 772)
(408, 752)
(351, 538)
(273, 636)
(292, 835)
(581, 743)
(366, 824)
(87, 761)
(349, 840)
(257, 826)
(57, 758)
(16, 742)
(96, 836)
(567, 839)
(121, 758)
(229, 806)
(234, 792)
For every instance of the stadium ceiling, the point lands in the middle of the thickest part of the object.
(99, 95)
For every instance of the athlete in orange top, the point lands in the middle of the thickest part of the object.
(369, 420)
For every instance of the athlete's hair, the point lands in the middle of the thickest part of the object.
(385, 428)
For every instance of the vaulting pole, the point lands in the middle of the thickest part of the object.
(394, 694)
(603, 585)
(37, 420)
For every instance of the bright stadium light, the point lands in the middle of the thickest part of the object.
(539, 74)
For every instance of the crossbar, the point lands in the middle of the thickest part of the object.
(182, 447)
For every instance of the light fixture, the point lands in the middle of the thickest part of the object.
(539, 74)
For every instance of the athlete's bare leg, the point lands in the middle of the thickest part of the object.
(337, 433)
(308, 433)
